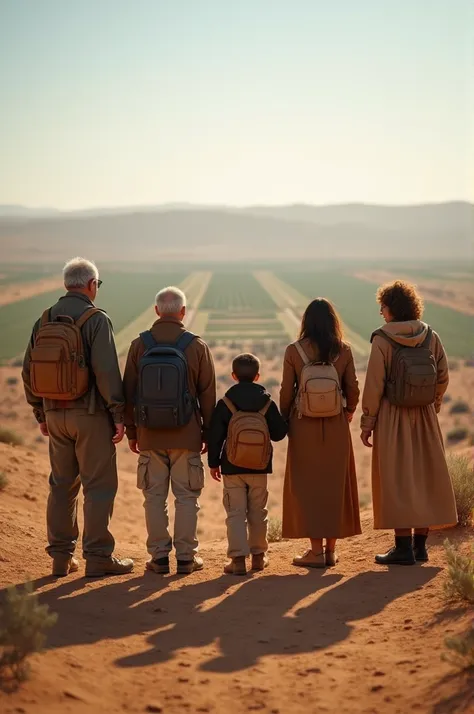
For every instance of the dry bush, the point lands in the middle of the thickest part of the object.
(3, 481)
(461, 649)
(461, 471)
(460, 582)
(24, 623)
(8, 436)
(459, 433)
(274, 530)
(12, 381)
(460, 407)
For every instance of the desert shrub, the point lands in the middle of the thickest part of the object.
(272, 382)
(460, 407)
(460, 649)
(17, 362)
(461, 471)
(24, 623)
(469, 362)
(8, 436)
(3, 480)
(459, 433)
(447, 398)
(274, 530)
(460, 582)
(12, 381)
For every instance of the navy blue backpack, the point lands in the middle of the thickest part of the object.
(163, 397)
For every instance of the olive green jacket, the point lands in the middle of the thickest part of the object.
(105, 383)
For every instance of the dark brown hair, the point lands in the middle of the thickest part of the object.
(402, 299)
(246, 367)
(322, 326)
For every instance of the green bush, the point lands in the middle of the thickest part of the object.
(7, 436)
(274, 530)
(459, 433)
(460, 407)
(461, 471)
(460, 582)
(24, 623)
(12, 381)
(3, 481)
(461, 649)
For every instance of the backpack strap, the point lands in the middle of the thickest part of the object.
(45, 317)
(230, 406)
(302, 353)
(86, 315)
(184, 340)
(381, 333)
(148, 339)
(265, 408)
(426, 342)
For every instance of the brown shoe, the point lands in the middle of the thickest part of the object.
(331, 558)
(158, 565)
(310, 560)
(186, 567)
(237, 566)
(108, 566)
(64, 565)
(259, 561)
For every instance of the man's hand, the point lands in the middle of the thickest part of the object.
(365, 436)
(216, 474)
(349, 415)
(119, 432)
(203, 448)
(43, 427)
(133, 446)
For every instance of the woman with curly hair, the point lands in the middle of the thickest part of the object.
(320, 500)
(407, 376)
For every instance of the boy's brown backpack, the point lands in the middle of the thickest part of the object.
(58, 368)
(248, 443)
(413, 374)
(319, 392)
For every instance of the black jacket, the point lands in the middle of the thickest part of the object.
(248, 397)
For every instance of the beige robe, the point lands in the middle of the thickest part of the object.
(320, 498)
(411, 486)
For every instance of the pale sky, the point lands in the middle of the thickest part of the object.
(124, 102)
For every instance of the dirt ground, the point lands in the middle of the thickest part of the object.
(20, 291)
(349, 640)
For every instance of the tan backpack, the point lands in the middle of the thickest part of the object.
(58, 368)
(319, 393)
(248, 443)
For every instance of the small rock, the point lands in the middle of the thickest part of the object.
(263, 642)
(73, 695)
(379, 673)
(314, 670)
(184, 664)
(376, 688)
(159, 609)
(153, 708)
(183, 680)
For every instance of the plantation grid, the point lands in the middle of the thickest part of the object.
(234, 305)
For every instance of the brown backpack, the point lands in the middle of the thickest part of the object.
(319, 391)
(248, 443)
(58, 368)
(413, 373)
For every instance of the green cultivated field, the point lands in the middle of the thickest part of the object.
(236, 292)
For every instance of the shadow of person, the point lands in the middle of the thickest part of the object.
(243, 622)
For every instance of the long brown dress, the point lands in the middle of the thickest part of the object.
(411, 486)
(320, 498)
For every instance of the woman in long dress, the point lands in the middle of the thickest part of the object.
(411, 486)
(320, 500)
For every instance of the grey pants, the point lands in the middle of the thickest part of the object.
(81, 451)
(245, 500)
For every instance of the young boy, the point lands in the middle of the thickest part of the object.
(245, 490)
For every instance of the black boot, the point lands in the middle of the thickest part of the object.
(419, 548)
(401, 554)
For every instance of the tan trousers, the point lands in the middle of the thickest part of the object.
(184, 470)
(245, 500)
(81, 451)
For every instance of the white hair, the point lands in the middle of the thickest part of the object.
(170, 300)
(78, 272)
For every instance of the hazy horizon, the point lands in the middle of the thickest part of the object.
(119, 105)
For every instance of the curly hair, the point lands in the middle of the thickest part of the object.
(402, 299)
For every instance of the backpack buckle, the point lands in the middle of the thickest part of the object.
(80, 361)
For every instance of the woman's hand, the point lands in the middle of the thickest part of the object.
(349, 415)
(365, 436)
(216, 473)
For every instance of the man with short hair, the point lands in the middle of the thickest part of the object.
(170, 454)
(82, 431)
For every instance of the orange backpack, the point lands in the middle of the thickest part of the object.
(58, 368)
(248, 443)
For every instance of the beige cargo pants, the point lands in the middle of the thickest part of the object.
(81, 451)
(245, 501)
(184, 470)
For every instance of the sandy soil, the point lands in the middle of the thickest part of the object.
(20, 291)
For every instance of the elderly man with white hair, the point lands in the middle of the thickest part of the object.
(72, 380)
(170, 394)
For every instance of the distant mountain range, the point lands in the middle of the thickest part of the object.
(182, 231)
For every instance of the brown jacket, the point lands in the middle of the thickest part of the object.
(411, 487)
(202, 385)
(106, 382)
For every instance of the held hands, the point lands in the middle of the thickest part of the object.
(119, 432)
(349, 415)
(43, 427)
(216, 474)
(133, 446)
(365, 436)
